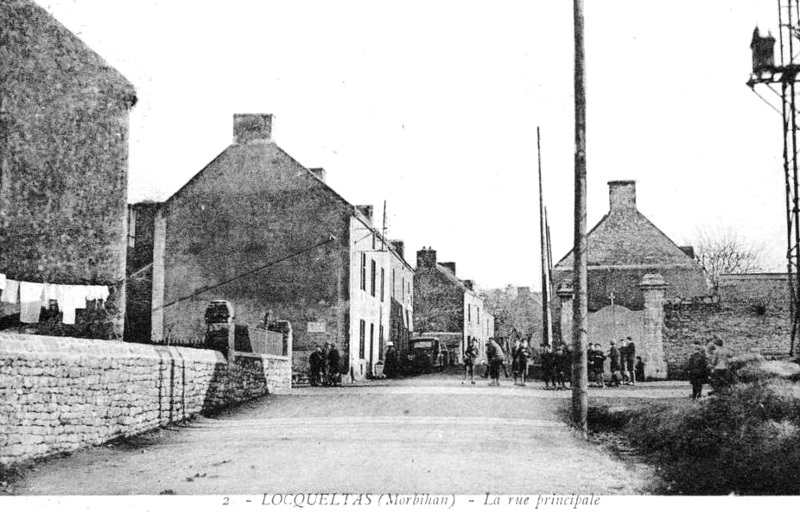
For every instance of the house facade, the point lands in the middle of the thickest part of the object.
(258, 229)
(624, 247)
(443, 303)
(63, 164)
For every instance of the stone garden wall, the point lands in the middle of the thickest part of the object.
(60, 394)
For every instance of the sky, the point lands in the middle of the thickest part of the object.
(432, 107)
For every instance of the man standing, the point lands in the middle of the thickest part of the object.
(390, 361)
(598, 363)
(720, 375)
(548, 366)
(697, 369)
(495, 356)
(613, 355)
(333, 366)
(470, 354)
(630, 359)
(315, 366)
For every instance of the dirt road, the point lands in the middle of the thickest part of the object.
(429, 434)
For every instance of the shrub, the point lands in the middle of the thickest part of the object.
(746, 441)
(761, 370)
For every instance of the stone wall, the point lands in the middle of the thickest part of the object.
(61, 394)
(63, 157)
(742, 327)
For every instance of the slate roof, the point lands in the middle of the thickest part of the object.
(626, 238)
(452, 278)
(252, 159)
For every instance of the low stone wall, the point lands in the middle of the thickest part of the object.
(61, 394)
(743, 328)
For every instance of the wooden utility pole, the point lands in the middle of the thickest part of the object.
(580, 379)
(547, 327)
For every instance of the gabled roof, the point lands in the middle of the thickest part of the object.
(252, 158)
(25, 24)
(626, 238)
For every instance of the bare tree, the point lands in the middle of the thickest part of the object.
(720, 250)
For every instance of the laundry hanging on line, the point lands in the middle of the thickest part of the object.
(33, 296)
(10, 292)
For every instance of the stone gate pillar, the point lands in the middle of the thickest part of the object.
(652, 348)
(565, 296)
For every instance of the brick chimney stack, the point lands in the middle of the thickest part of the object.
(426, 258)
(250, 128)
(366, 210)
(523, 292)
(399, 247)
(622, 194)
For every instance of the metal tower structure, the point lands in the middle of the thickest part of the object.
(781, 78)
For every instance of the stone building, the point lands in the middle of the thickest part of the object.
(63, 159)
(625, 246)
(443, 303)
(258, 229)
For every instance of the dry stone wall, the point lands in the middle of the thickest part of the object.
(61, 394)
(743, 328)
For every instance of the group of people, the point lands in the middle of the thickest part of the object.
(496, 360)
(325, 366)
(708, 363)
(624, 366)
(556, 366)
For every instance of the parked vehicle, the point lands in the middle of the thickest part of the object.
(425, 354)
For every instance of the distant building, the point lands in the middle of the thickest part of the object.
(445, 303)
(625, 246)
(63, 159)
(258, 229)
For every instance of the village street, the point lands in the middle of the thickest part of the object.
(427, 434)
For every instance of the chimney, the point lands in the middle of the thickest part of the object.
(399, 247)
(523, 292)
(426, 258)
(469, 284)
(449, 265)
(622, 194)
(688, 250)
(366, 210)
(249, 128)
(319, 173)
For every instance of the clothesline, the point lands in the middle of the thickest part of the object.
(32, 296)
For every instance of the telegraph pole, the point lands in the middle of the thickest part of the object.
(547, 327)
(580, 379)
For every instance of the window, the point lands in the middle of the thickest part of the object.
(363, 271)
(380, 343)
(383, 279)
(371, 338)
(479, 315)
(362, 326)
(403, 290)
(372, 277)
(394, 286)
(469, 312)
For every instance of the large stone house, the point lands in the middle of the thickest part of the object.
(625, 246)
(63, 162)
(260, 230)
(446, 304)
